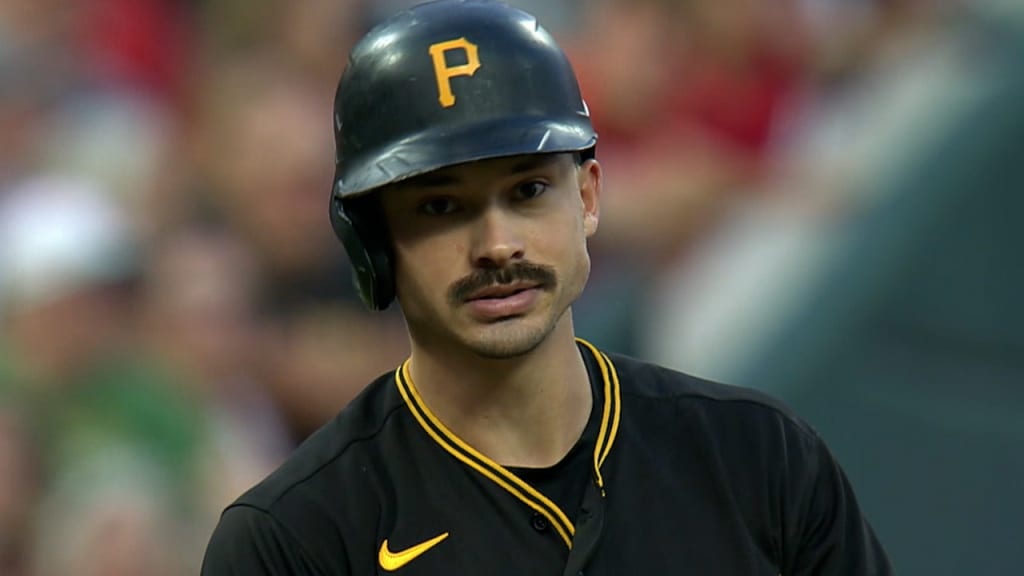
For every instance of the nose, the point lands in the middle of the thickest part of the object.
(497, 239)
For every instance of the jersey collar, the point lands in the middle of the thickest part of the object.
(606, 391)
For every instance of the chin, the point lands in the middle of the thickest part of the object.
(504, 349)
(506, 340)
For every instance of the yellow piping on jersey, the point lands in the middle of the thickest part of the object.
(610, 412)
(616, 392)
(501, 475)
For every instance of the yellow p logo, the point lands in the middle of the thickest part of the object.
(445, 73)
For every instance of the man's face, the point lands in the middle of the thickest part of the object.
(489, 255)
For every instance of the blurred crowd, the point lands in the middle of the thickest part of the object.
(175, 313)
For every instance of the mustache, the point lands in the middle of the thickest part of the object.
(522, 272)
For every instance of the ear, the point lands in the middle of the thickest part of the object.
(589, 180)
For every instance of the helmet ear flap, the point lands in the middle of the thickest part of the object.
(359, 225)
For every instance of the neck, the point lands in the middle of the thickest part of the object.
(527, 411)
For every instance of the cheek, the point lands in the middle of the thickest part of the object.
(562, 242)
(575, 241)
(410, 277)
(571, 232)
(424, 271)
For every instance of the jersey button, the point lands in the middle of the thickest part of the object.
(539, 522)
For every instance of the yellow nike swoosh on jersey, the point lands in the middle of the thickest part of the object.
(392, 561)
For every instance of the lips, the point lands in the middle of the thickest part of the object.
(496, 303)
(501, 291)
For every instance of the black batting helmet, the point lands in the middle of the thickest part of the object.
(443, 83)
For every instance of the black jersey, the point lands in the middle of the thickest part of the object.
(678, 476)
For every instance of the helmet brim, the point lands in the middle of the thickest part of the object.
(445, 146)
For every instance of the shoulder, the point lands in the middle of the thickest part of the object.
(779, 475)
(250, 541)
(309, 510)
(322, 459)
(743, 432)
(653, 389)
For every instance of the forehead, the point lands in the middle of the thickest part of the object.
(488, 169)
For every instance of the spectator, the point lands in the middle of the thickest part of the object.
(267, 174)
(67, 266)
(200, 311)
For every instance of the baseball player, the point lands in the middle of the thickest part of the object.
(466, 189)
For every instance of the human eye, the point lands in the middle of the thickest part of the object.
(532, 189)
(436, 206)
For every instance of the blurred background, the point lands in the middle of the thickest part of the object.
(817, 198)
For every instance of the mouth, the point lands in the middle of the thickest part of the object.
(501, 291)
(496, 303)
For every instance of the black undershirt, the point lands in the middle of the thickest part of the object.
(565, 481)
